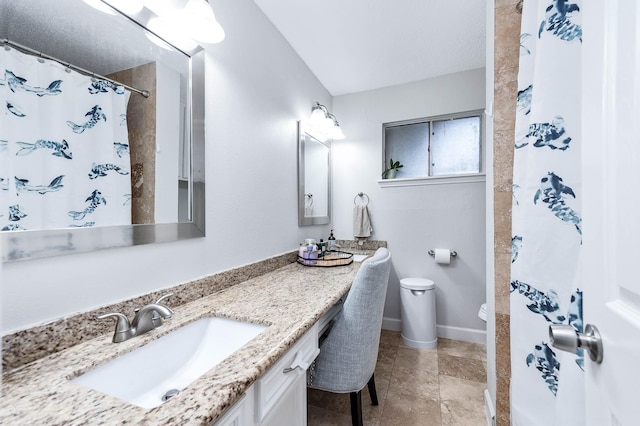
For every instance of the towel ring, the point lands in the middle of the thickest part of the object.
(361, 195)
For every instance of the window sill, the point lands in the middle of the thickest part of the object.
(432, 180)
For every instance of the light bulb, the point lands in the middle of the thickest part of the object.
(317, 118)
(327, 124)
(198, 19)
(336, 133)
(166, 29)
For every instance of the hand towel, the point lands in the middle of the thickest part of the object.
(361, 222)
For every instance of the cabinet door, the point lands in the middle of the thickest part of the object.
(291, 409)
(240, 414)
(281, 393)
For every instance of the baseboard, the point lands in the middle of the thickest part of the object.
(464, 334)
(489, 411)
(447, 332)
(393, 324)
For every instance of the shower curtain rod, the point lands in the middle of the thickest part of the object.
(7, 42)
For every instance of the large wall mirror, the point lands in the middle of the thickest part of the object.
(314, 180)
(104, 146)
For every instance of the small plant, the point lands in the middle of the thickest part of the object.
(390, 173)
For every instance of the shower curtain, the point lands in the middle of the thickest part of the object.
(64, 149)
(547, 386)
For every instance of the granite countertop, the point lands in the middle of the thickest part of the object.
(288, 300)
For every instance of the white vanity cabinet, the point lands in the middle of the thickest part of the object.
(281, 394)
(279, 397)
(241, 413)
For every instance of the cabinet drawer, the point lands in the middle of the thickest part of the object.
(324, 321)
(294, 363)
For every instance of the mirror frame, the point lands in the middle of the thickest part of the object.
(311, 220)
(29, 245)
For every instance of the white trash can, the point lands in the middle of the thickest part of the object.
(418, 310)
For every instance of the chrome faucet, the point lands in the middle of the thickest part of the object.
(147, 318)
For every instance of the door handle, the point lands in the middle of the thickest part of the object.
(566, 338)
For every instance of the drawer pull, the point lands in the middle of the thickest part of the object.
(299, 362)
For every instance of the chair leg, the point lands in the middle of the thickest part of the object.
(356, 408)
(372, 390)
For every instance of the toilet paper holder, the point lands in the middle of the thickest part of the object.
(432, 253)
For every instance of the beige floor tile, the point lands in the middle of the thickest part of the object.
(417, 359)
(415, 383)
(462, 349)
(457, 413)
(390, 337)
(464, 368)
(387, 353)
(320, 417)
(462, 402)
(340, 405)
(440, 387)
(382, 386)
(402, 410)
(383, 370)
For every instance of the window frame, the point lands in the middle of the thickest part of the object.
(439, 179)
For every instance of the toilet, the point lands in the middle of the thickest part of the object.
(418, 313)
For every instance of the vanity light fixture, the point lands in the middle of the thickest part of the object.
(323, 125)
(198, 20)
(194, 18)
(181, 22)
(336, 131)
(164, 27)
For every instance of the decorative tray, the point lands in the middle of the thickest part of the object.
(333, 258)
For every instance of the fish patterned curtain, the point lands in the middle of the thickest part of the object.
(64, 149)
(547, 385)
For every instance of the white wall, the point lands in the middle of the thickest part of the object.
(417, 218)
(256, 90)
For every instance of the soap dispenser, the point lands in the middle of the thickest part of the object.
(331, 241)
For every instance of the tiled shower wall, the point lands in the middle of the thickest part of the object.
(141, 122)
(506, 55)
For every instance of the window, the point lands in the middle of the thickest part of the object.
(435, 146)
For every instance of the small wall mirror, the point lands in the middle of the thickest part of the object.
(314, 180)
(157, 149)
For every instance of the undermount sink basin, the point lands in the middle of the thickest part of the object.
(150, 375)
(359, 257)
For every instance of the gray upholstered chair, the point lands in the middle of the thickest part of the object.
(349, 353)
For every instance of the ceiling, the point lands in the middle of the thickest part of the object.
(358, 45)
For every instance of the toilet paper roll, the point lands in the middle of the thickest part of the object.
(443, 256)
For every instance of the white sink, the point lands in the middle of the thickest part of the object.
(143, 376)
(359, 257)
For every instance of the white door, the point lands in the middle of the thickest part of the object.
(611, 206)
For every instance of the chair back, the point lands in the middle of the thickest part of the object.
(349, 353)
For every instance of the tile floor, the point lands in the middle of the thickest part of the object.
(440, 387)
